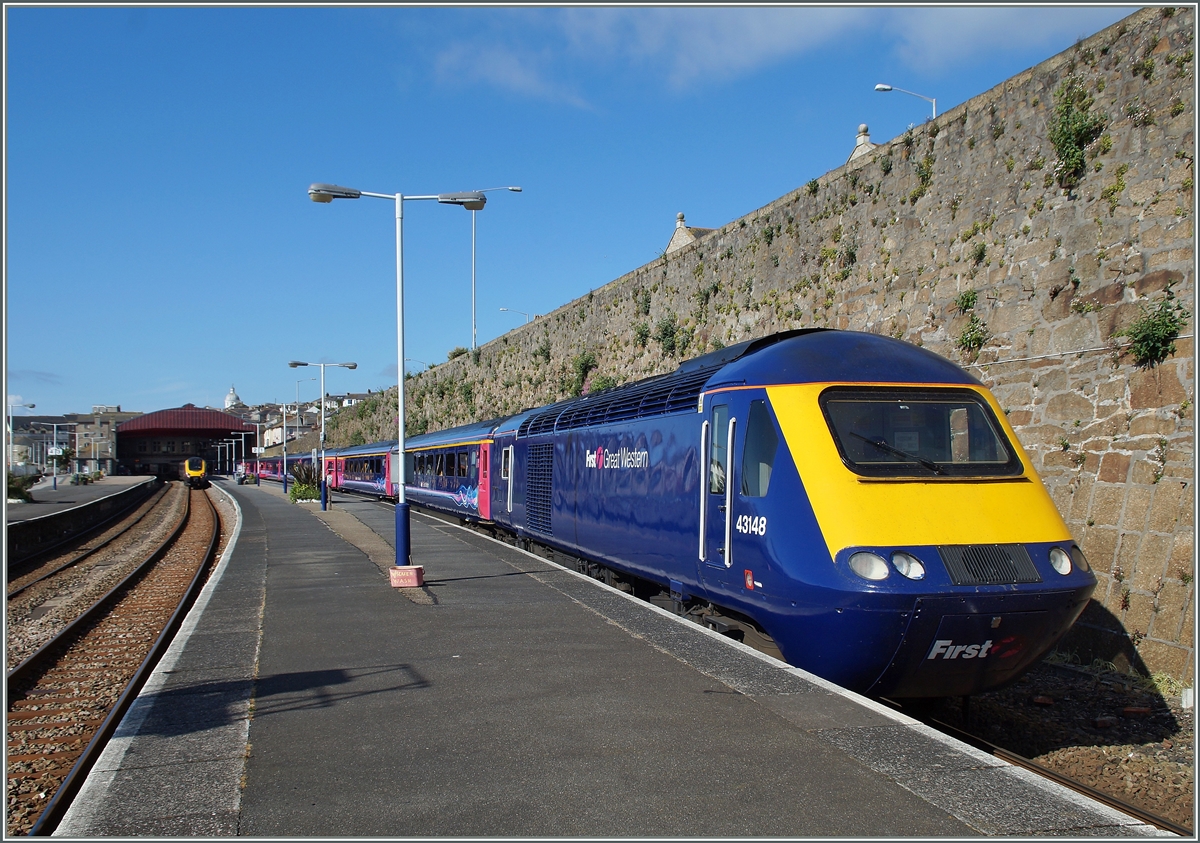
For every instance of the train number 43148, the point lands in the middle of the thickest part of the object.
(755, 524)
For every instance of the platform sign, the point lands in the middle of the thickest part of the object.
(257, 450)
(54, 452)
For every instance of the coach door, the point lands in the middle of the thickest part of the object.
(504, 488)
(716, 492)
(484, 495)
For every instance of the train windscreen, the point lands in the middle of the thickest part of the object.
(898, 431)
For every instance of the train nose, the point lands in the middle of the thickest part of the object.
(955, 647)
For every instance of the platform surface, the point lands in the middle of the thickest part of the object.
(48, 500)
(509, 698)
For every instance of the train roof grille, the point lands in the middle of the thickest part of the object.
(673, 393)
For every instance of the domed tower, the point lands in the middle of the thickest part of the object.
(232, 400)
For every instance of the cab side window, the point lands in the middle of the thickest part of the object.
(720, 459)
(758, 451)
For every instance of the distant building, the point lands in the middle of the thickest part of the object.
(92, 438)
(232, 400)
(155, 443)
(684, 235)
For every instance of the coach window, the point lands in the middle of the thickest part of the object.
(463, 470)
(505, 458)
(719, 463)
(439, 461)
(758, 451)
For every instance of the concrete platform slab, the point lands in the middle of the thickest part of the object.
(511, 697)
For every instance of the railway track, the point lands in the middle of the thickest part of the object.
(66, 699)
(1099, 795)
(53, 561)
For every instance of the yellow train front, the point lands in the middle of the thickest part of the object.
(195, 472)
(908, 548)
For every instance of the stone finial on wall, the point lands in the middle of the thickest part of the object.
(862, 143)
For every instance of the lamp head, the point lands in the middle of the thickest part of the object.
(319, 192)
(882, 87)
(472, 200)
(515, 189)
(351, 365)
(296, 363)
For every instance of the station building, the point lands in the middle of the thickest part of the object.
(156, 443)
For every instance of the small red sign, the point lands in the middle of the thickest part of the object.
(749, 579)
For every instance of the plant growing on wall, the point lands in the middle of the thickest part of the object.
(974, 335)
(1152, 335)
(664, 334)
(582, 366)
(641, 334)
(1072, 127)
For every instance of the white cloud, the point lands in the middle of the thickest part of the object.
(547, 53)
(527, 73)
(931, 39)
(700, 45)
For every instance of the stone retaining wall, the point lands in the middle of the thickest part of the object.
(958, 236)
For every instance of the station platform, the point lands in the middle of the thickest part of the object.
(47, 499)
(509, 697)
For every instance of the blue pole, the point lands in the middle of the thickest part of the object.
(403, 538)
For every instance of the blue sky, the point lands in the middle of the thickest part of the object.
(161, 247)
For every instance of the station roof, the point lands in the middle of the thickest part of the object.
(188, 418)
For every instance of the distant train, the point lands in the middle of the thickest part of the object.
(195, 472)
(856, 502)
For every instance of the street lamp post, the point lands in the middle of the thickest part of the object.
(294, 364)
(472, 201)
(510, 310)
(885, 88)
(485, 190)
(285, 468)
(11, 446)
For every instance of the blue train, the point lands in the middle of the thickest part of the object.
(857, 504)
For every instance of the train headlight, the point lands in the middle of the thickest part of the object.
(908, 565)
(1079, 559)
(1060, 560)
(869, 566)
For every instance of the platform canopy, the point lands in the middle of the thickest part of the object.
(189, 419)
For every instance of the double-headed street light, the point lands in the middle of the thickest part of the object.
(885, 88)
(472, 201)
(10, 431)
(294, 364)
